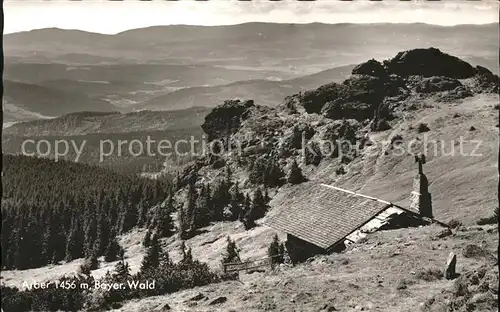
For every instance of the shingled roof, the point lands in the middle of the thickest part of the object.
(326, 215)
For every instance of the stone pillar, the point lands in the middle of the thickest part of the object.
(421, 199)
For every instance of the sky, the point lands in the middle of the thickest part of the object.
(111, 17)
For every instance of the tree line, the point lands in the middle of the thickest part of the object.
(54, 211)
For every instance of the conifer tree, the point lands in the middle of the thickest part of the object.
(236, 203)
(257, 171)
(312, 154)
(232, 254)
(183, 229)
(128, 218)
(151, 260)
(203, 207)
(257, 210)
(187, 257)
(113, 251)
(146, 242)
(74, 243)
(121, 272)
(295, 175)
(142, 214)
(275, 251)
(164, 223)
(273, 174)
(247, 205)
(90, 236)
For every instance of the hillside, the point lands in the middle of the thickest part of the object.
(24, 100)
(264, 92)
(83, 123)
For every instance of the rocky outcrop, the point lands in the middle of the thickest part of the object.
(370, 68)
(428, 63)
(226, 119)
(356, 98)
(437, 84)
(486, 81)
(218, 300)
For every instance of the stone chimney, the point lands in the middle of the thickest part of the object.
(420, 197)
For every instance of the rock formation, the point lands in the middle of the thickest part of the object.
(226, 119)
(428, 63)
(450, 268)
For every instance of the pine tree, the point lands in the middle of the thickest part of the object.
(275, 251)
(121, 272)
(151, 260)
(273, 174)
(247, 205)
(146, 242)
(203, 207)
(257, 171)
(90, 236)
(187, 257)
(312, 154)
(103, 234)
(164, 223)
(74, 243)
(256, 211)
(236, 203)
(142, 214)
(183, 228)
(113, 251)
(189, 216)
(232, 254)
(220, 199)
(267, 199)
(128, 218)
(295, 175)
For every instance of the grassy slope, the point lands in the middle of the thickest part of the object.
(362, 278)
(462, 187)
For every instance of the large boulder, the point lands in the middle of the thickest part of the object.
(428, 63)
(371, 68)
(486, 81)
(437, 84)
(357, 98)
(314, 100)
(226, 119)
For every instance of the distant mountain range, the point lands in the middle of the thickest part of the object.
(265, 45)
(50, 72)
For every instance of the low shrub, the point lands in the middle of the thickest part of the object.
(422, 127)
(430, 274)
(453, 223)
